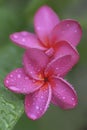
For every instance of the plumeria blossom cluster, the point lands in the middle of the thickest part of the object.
(49, 55)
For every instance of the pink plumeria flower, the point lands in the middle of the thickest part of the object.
(50, 33)
(41, 81)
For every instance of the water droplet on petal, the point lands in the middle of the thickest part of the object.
(40, 109)
(37, 107)
(33, 116)
(74, 104)
(63, 97)
(67, 25)
(11, 75)
(75, 31)
(42, 97)
(15, 36)
(28, 104)
(7, 81)
(73, 99)
(23, 40)
(14, 88)
(19, 76)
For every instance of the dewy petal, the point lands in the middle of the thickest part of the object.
(67, 30)
(63, 94)
(37, 103)
(17, 81)
(59, 66)
(64, 48)
(44, 21)
(26, 40)
(35, 62)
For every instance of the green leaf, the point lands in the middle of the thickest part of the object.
(8, 23)
(11, 105)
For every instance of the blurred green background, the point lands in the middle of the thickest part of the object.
(17, 15)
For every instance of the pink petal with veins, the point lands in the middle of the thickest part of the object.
(37, 103)
(45, 20)
(26, 40)
(17, 81)
(35, 62)
(63, 48)
(59, 66)
(64, 94)
(67, 30)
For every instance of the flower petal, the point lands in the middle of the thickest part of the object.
(35, 62)
(37, 103)
(59, 66)
(26, 40)
(64, 94)
(17, 81)
(44, 21)
(64, 48)
(67, 30)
